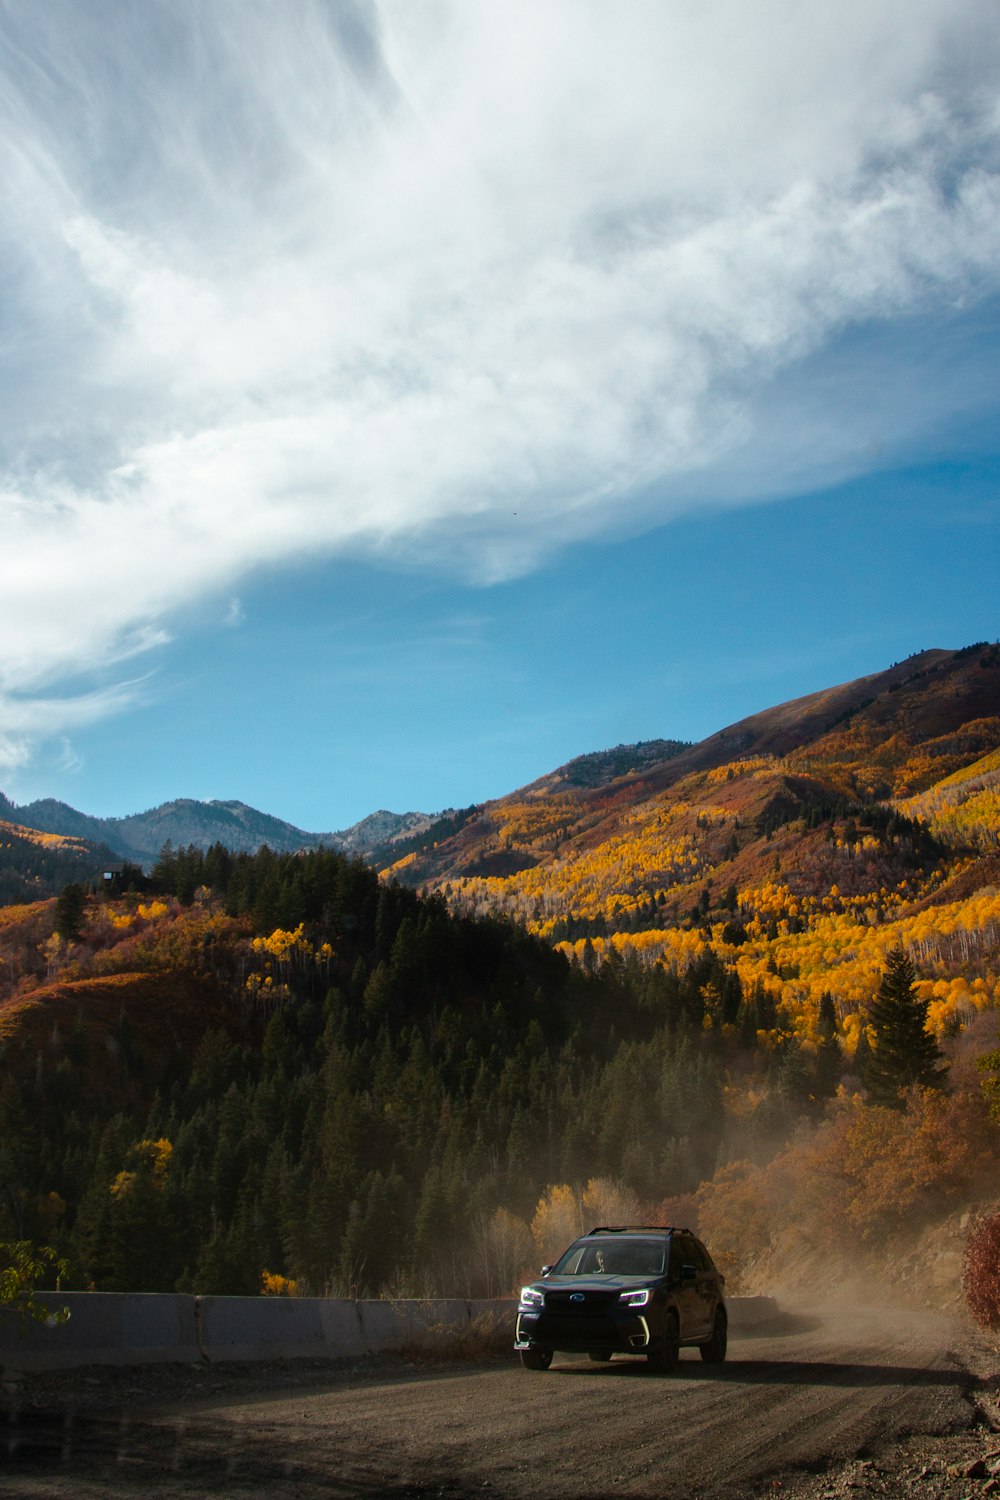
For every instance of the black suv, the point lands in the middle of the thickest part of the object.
(622, 1290)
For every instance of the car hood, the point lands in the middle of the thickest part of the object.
(595, 1283)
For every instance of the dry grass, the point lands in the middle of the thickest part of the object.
(485, 1336)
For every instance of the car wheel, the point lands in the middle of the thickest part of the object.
(663, 1356)
(599, 1356)
(714, 1351)
(536, 1359)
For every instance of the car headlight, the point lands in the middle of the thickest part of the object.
(635, 1299)
(532, 1298)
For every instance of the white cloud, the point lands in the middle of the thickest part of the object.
(26, 721)
(284, 280)
(15, 752)
(70, 758)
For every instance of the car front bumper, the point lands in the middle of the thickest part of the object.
(623, 1332)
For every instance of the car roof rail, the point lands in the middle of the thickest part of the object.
(637, 1229)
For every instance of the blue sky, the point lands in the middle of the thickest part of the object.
(397, 400)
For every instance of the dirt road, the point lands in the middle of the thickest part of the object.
(812, 1393)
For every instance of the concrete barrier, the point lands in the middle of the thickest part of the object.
(261, 1328)
(393, 1325)
(107, 1328)
(126, 1328)
(341, 1324)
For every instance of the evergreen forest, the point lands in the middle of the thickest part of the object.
(374, 1079)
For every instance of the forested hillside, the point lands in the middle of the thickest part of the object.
(673, 997)
(306, 1072)
(297, 1074)
(35, 864)
(797, 847)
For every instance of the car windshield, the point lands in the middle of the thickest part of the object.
(612, 1257)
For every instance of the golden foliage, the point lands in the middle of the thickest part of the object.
(527, 823)
(557, 1221)
(151, 1161)
(671, 945)
(563, 1214)
(43, 840)
(283, 953)
(282, 944)
(751, 765)
(636, 879)
(149, 911)
(13, 916)
(862, 1177)
(837, 952)
(273, 1284)
(963, 808)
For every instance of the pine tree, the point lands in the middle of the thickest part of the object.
(829, 1054)
(862, 1053)
(904, 1053)
(70, 910)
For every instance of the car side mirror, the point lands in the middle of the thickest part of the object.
(689, 1273)
(546, 1270)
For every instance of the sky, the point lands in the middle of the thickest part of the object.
(399, 399)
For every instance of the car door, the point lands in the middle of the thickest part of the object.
(705, 1285)
(689, 1302)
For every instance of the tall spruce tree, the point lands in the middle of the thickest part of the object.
(70, 909)
(829, 1054)
(903, 1053)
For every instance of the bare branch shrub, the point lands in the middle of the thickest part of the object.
(981, 1271)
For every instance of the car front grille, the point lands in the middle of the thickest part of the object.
(581, 1304)
(578, 1319)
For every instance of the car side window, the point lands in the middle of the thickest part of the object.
(677, 1257)
(705, 1259)
(689, 1255)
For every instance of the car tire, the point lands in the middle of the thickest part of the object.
(663, 1355)
(536, 1359)
(713, 1352)
(599, 1356)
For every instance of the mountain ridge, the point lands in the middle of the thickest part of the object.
(887, 735)
(782, 791)
(183, 821)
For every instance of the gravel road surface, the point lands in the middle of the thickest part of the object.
(816, 1406)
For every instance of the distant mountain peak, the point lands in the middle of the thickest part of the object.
(186, 821)
(600, 767)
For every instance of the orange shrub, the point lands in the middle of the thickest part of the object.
(865, 1176)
